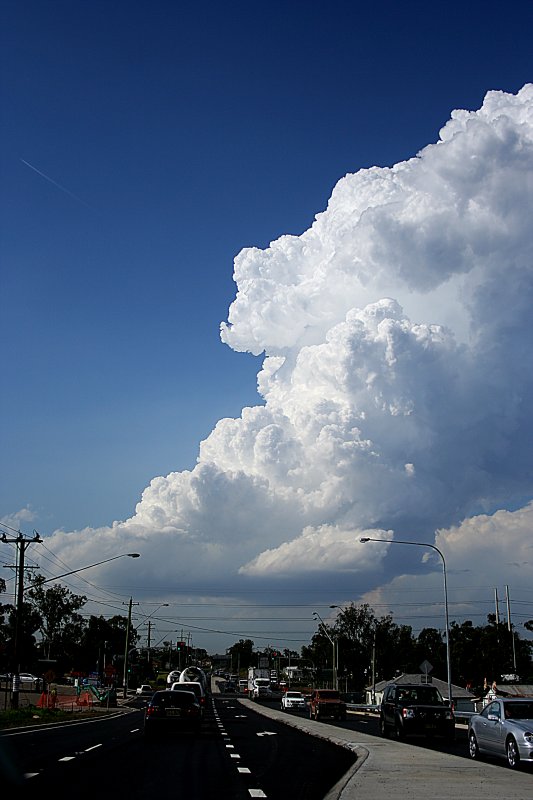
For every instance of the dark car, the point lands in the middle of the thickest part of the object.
(169, 711)
(414, 709)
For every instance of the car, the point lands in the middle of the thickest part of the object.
(415, 709)
(503, 729)
(191, 686)
(27, 679)
(293, 700)
(326, 703)
(144, 689)
(169, 710)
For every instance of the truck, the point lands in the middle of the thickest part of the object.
(258, 683)
(326, 703)
(415, 709)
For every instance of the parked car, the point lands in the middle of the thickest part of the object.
(191, 686)
(293, 700)
(27, 680)
(414, 709)
(503, 729)
(169, 710)
(144, 689)
(326, 703)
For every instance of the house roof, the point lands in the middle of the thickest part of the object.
(442, 686)
(515, 690)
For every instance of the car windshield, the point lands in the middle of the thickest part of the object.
(519, 710)
(420, 694)
(331, 694)
(294, 694)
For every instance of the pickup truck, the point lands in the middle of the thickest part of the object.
(415, 709)
(326, 703)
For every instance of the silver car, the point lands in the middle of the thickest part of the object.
(292, 700)
(504, 728)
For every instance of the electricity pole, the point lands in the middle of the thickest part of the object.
(126, 650)
(22, 544)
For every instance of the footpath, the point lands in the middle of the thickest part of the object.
(389, 770)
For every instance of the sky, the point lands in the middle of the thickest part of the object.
(266, 290)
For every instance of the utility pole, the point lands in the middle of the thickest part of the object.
(22, 544)
(126, 650)
(510, 626)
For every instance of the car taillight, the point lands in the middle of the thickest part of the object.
(150, 711)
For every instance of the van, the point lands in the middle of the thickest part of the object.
(191, 686)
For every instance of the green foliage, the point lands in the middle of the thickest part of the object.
(371, 646)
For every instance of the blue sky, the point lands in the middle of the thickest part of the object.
(144, 145)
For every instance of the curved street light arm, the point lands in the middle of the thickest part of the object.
(80, 569)
(433, 547)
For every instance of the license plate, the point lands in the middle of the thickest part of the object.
(173, 712)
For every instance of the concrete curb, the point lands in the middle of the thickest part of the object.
(387, 768)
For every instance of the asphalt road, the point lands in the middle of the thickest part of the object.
(236, 756)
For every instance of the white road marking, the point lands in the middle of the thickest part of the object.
(67, 758)
(92, 748)
(234, 755)
(267, 733)
(244, 769)
(256, 793)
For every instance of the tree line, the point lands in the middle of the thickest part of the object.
(55, 637)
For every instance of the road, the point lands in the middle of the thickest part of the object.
(237, 755)
(245, 750)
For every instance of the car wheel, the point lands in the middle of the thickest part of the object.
(512, 754)
(473, 748)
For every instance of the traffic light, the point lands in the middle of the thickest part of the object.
(180, 646)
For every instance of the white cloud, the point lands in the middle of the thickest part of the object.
(397, 381)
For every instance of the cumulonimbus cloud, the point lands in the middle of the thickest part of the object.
(397, 382)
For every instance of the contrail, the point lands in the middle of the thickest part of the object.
(55, 183)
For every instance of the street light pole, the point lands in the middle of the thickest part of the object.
(80, 569)
(22, 544)
(433, 547)
(334, 678)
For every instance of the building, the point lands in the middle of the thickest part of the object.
(463, 699)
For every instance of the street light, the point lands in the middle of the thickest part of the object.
(333, 665)
(72, 571)
(18, 617)
(433, 547)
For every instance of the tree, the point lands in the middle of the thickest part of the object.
(242, 655)
(60, 625)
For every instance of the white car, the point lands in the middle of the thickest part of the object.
(293, 700)
(26, 678)
(191, 686)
